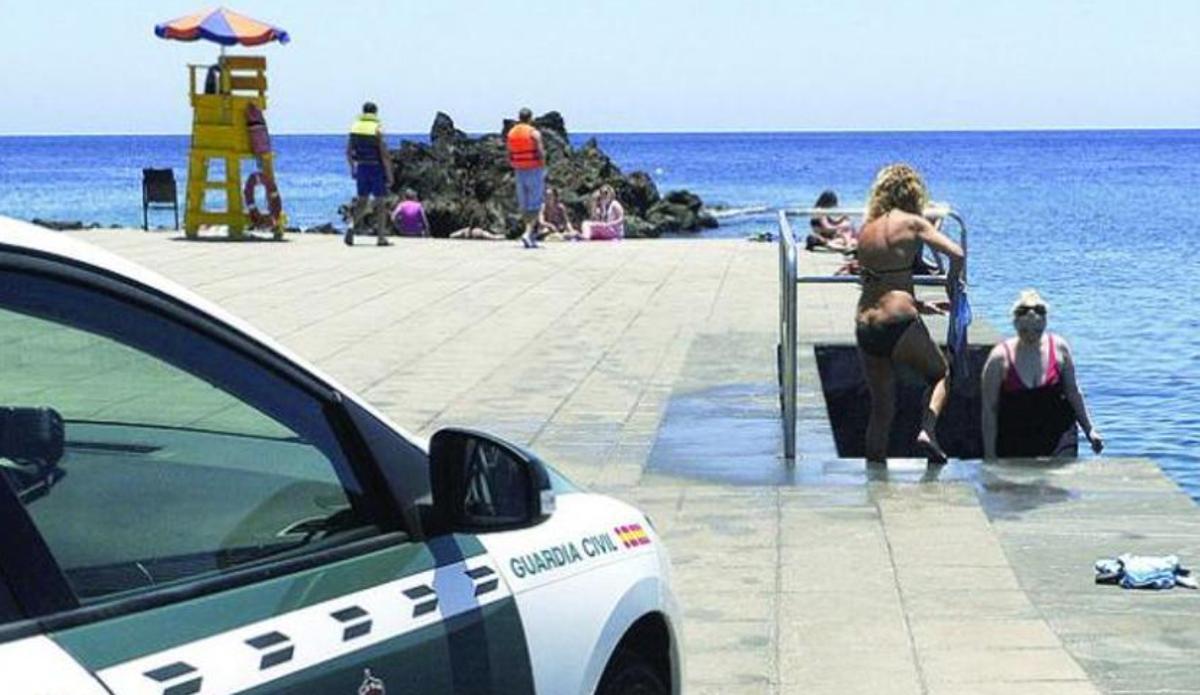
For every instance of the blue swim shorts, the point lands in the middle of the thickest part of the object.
(370, 180)
(531, 183)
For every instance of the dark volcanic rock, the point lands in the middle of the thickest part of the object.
(61, 225)
(465, 181)
(71, 225)
(443, 130)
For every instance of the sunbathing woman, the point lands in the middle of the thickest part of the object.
(477, 233)
(889, 330)
(608, 217)
(553, 221)
(1030, 399)
(828, 232)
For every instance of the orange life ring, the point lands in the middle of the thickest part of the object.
(274, 203)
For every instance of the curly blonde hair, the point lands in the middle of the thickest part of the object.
(897, 186)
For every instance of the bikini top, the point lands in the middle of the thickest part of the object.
(876, 275)
(825, 221)
(556, 214)
(1012, 380)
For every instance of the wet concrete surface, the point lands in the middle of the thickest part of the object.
(731, 435)
(1025, 575)
(726, 434)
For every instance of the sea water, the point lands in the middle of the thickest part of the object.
(1100, 222)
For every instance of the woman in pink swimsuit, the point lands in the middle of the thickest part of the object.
(1030, 399)
(608, 217)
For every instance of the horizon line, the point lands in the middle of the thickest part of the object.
(798, 131)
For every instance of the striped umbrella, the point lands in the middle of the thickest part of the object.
(221, 26)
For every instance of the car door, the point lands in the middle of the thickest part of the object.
(31, 663)
(196, 514)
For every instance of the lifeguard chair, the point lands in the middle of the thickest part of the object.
(225, 104)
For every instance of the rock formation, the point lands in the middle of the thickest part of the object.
(64, 225)
(465, 181)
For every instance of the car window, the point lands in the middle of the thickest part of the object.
(146, 452)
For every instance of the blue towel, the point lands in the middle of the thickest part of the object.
(1143, 572)
(956, 335)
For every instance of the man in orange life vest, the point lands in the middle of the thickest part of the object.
(528, 159)
(368, 157)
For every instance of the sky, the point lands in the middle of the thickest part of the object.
(95, 66)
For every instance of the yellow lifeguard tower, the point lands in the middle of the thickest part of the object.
(226, 103)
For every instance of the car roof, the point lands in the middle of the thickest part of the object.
(16, 235)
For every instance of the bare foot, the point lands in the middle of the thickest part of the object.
(933, 450)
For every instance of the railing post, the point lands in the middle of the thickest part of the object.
(962, 239)
(786, 360)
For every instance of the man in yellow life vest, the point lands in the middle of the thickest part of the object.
(528, 159)
(367, 154)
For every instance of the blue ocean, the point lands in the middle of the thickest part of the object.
(1099, 221)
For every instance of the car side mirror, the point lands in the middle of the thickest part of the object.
(483, 483)
(31, 435)
(33, 440)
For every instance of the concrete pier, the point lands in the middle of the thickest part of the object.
(646, 369)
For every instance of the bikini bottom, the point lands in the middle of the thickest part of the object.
(879, 339)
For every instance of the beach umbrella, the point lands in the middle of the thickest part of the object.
(221, 26)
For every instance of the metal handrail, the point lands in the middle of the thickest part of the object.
(935, 210)
(918, 280)
(786, 357)
(788, 279)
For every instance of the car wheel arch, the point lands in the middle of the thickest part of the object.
(650, 638)
(638, 621)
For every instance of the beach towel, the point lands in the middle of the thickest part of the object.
(956, 335)
(1144, 572)
(607, 231)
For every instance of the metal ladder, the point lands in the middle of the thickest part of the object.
(785, 349)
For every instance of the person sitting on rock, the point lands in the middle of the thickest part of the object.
(553, 221)
(607, 218)
(409, 216)
(477, 233)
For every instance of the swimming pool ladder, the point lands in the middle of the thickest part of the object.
(785, 349)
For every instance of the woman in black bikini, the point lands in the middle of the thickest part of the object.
(889, 330)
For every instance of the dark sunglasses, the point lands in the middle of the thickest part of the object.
(1022, 310)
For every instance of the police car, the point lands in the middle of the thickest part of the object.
(187, 508)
